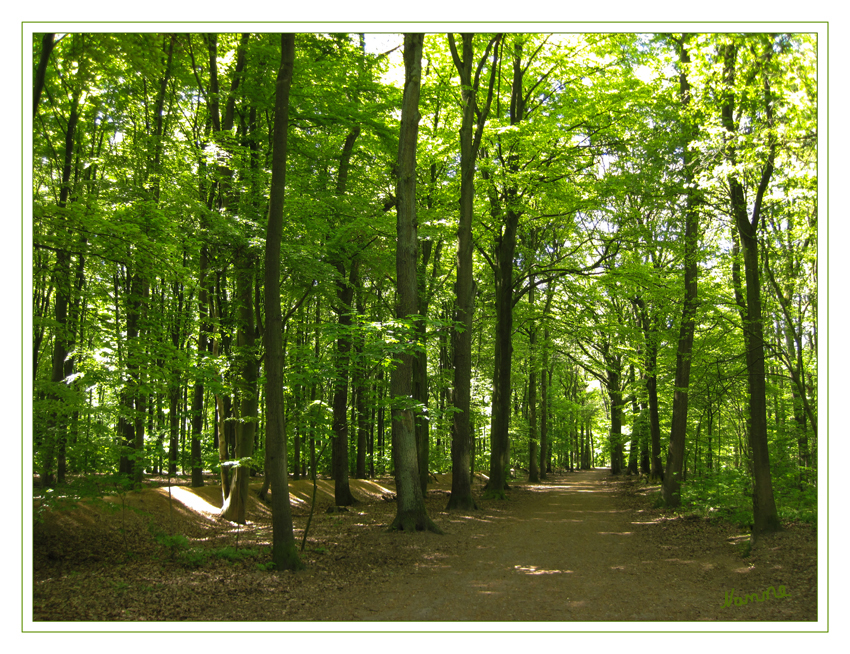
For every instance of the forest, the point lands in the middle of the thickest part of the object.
(481, 262)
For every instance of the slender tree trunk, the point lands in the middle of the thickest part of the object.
(533, 463)
(765, 515)
(671, 490)
(345, 296)
(502, 359)
(420, 368)
(284, 550)
(360, 383)
(339, 451)
(545, 381)
(615, 394)
(636, 436)
(173, 429)
(650, 331)
(196, 461)
(62, 275)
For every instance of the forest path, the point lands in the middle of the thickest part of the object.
(568, 550)
(581, 547)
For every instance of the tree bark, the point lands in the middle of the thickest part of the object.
(545, 380)
(411, 512)
(461, 495)
(615, 394)
(62, 275)
(671, 490)
(650, 379)
(420, 367)
(235, 504)
(360, 383)
(533, 463)
(284, 550)
(47, 43)
(506, 242)
(345, 297)
(765, 515)
(339, 450)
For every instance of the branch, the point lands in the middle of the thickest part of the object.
(298, 304)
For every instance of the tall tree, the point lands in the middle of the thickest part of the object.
(470, 141)
(411, 513)
(63, 273)
(284, 551)
(508, 210)
(747, 223)
(671, 489)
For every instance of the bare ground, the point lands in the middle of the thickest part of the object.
(579, 547)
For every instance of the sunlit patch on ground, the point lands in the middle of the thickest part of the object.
(190, 500)
(534, 570)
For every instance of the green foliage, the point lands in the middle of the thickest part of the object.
(197, 557)
(726, 495)
(176, 544)
(594, 171)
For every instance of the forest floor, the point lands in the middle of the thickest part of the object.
(582, 546)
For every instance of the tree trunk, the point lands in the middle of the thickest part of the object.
(765, 516)
(545, 380)
(671, 490)
(339, 451)
(420, 369)
(461, 496)
(533, 463)
(345, 297)
(360, 383)
(56, 427)
(506, 242)
(637, 436)
(411, 512)
(284, 550)
(196, 462)
(615, 394)
(47, 43)
(235, 504)
(502, 359)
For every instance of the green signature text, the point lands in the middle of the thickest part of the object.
(741, 600)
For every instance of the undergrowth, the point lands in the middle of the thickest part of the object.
(178, 549)
(727, 494)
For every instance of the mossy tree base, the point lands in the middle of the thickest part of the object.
(285, 557)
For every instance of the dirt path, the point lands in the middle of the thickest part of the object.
(581, 547)
(571, 551)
